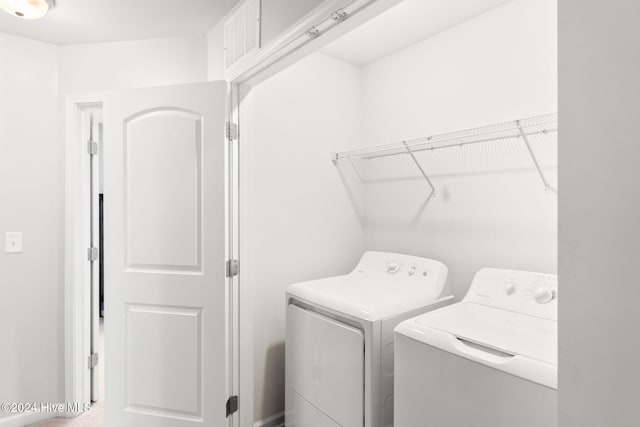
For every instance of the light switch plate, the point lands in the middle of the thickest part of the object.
(13, 242)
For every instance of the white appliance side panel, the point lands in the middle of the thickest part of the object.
(325, 365)
(385, 393)
(461, 392)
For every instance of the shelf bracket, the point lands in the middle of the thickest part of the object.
(527, 143)
(432, 193)
(353, 165)
(335, 158)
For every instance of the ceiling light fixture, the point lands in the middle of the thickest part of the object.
(27, 9)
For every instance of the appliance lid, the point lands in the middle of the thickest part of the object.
(502, 330)
(382, 285)
(363, 295)
(517, 344)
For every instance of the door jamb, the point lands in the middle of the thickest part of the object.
(243, 385)
(77, 299)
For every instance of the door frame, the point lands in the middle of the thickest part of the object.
(76, 271)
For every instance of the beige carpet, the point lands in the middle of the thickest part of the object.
(94, 417)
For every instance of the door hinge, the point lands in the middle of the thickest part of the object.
(232, 131)
(92, 148)
(232, 405)
(92, 254)
(93, 360)
(233, 268)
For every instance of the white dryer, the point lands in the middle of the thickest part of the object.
(339, 345)
(488, 361)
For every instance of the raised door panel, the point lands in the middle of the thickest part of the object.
(164, 360)
(163, 180)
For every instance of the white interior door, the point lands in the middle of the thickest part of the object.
(165, 286)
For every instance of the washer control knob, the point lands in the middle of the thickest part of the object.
(544, 295)
(393, 267)
(510, 289)
(412, 270)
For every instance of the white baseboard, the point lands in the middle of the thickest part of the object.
(26, 418)
(273, 421)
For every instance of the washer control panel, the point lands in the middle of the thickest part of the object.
(527, 292)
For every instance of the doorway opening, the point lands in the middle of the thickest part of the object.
(84, 261)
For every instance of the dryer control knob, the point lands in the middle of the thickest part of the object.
(510, 289)
(393, 267)
(544, 295)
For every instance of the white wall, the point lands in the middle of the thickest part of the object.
(499, 66)
(215, 52)
(31, 317)
(121, 65)
(599, 383)
(34, 80)
(303, 225)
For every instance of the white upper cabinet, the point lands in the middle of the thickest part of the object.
(255, 23)
(242, 32)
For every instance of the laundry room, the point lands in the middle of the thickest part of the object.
(473, 71)
(319, 213)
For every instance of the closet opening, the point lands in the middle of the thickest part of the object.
(424, 131)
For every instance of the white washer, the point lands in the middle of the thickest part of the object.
(339, 349)
(488, 361)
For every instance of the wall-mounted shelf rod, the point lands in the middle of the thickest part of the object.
(518, 130)
(540, 125)
(385, 152)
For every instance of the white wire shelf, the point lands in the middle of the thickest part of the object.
(517, 131)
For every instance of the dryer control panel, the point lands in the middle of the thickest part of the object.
(535, 294)
(402, 268)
